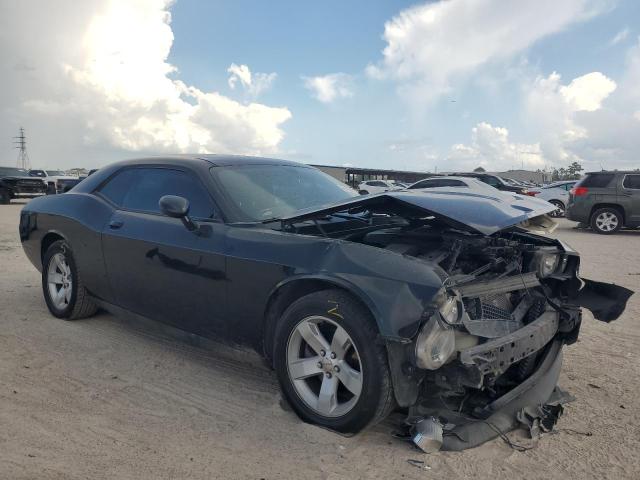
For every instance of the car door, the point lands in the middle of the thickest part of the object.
(630, 198)
(156, 267)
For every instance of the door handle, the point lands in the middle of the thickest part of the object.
(115, 224)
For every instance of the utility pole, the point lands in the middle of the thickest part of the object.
(21, 144)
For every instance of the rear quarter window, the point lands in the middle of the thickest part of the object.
(632, 181)
(598, 180)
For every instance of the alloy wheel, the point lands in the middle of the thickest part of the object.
(59, 281)
(607, 221)
(559, 211)
(324, 366)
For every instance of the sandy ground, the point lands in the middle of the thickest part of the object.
(105, 398)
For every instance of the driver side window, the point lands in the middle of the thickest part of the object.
(140, 189)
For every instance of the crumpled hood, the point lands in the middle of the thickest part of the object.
(473, 211)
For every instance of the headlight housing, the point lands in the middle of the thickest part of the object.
(547, 264)
(435, 344)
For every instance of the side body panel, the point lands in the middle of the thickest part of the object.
(159, 269)
(396, 289)
(629, 199)
(79, 219)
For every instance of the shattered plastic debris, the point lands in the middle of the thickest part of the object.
(427, 435)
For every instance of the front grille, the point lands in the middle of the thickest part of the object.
(491, 307)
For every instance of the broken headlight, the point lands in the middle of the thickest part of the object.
(547, 264)
(435, 344)
(451, 310)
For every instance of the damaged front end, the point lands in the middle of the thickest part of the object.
(488, 355)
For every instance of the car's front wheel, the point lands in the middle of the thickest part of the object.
(606, 220)
(330, 367)
(62, 285)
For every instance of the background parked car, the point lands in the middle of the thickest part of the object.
(495, 181)
(556, 193)
(16, 183)
(57, 180)
(607, 201)
(376, 186)
(453, 182)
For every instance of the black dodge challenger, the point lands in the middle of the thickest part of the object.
(443, 303)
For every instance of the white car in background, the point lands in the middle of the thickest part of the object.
(56, 180)
(557, 194)
(455, 182)
(376, 186)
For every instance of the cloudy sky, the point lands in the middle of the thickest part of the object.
(441, 85)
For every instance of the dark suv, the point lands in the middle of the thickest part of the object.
(495, 181)
(607, 201)
(16, 183)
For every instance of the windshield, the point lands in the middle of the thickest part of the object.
(55, 173)
(13, 172)
(261, 192)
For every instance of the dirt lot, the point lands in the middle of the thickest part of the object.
(105, 398)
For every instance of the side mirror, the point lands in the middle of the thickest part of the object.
(177, 207)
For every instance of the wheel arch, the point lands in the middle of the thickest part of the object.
(291, 289)
(49, 239)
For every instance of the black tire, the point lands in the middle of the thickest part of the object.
(376, 398)
(560, 209)
(80, 304)
(615, 216)
(5, 197)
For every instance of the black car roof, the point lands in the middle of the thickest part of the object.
(213, 159)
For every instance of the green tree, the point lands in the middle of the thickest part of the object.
(479, 170)
(573, 171)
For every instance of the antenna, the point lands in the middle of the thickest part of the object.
(21, 144)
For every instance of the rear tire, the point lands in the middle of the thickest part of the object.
(339, 378)
(62, 286)
(606, 220)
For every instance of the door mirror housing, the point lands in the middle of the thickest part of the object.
(177, 207)
(173, 206)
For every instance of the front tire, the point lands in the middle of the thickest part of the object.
(62, 286)
(606, 220)
(329, 364)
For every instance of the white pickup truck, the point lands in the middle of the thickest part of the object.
(57, 180)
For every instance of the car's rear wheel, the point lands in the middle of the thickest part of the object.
(64, 291)
(329, 365)
(5, 197)
(606, 220)
(559, 211)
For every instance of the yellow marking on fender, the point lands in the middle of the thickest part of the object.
(334, 311)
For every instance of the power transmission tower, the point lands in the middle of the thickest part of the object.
(21, 144)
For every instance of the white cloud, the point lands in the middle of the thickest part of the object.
(432, 44)
(329, 88)
(619, 37)
(491, 148)
(97, 76)
(587, 92)
(552, 111)
(253, 83)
